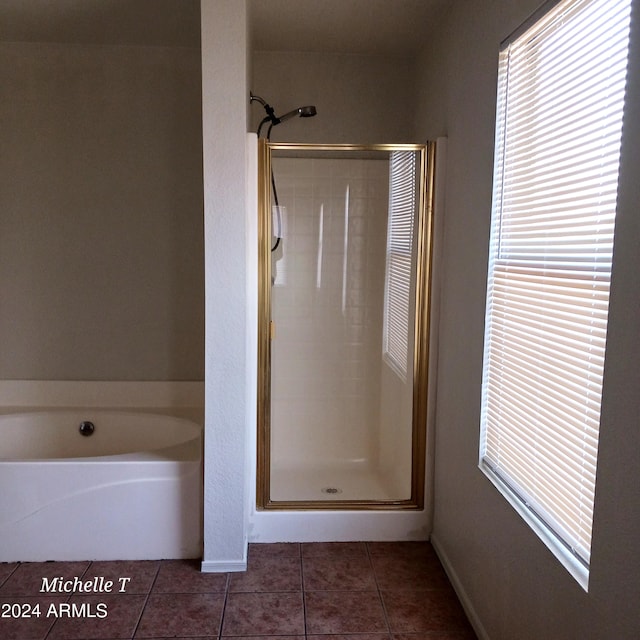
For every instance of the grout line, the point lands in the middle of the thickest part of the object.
(11, 573)
(226, 597)
(304, 597)
(68, 598)
(375, 577)
(146, 600)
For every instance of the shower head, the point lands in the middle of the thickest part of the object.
(302, 112)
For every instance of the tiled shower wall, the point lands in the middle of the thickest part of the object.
(327, 306)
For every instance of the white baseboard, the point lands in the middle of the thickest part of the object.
(468, 607)
(222, 567)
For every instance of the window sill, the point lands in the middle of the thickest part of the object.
(576, 569)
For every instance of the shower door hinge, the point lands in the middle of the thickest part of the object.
(272, 329)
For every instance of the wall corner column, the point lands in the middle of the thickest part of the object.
(224, 114)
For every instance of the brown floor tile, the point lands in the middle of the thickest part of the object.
(344, 612)
(331, 549)
(429, 610)
(268, 574)
(6, 569)
(346, 573)
(27, 578)
(402, 550)
(142, 573)
(122, 615)
(263, 614)
(278, 550)
(34, 627)
(404, 572)
(352, 591)
(181, 614)
(184, 576)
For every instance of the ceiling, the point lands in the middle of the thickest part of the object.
(351, 26)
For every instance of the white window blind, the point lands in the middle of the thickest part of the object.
(560, 103)
(402, 208)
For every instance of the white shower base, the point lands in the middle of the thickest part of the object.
(333, 482)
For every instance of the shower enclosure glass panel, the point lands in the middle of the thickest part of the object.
(344, 275)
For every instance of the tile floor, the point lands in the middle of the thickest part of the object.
(317, 591)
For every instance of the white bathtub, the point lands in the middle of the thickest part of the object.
(130, 491)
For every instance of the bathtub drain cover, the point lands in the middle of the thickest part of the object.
(331, 490)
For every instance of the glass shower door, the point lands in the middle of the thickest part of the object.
(347, 253)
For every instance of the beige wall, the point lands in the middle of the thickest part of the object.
(101, 239)
(360, 98)
(513, 585)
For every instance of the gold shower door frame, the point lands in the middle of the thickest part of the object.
(426, 171)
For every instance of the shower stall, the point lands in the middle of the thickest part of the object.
(345, 234)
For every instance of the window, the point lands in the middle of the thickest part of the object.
(559, 118)
(398, 287)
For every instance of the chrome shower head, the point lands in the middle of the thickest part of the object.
(302, 112)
